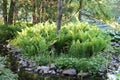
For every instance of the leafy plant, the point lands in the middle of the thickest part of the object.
(43, 59)
(118, 76)
(81, 39)
(35, 40)
(8, 32)
(6, 74)
(92, 65)
(75, 39)
(114, 34)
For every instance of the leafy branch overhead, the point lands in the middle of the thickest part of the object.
(46, 10)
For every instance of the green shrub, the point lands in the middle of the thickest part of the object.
(80, 39)
(6, 74)
(63, 62)
(92, 65)
(35, 40)
(8, 32)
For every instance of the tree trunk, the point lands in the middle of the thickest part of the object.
(4, 8)
(80, 11)
(59, 18)
(11, 11)
(33, 12)
(38, 10)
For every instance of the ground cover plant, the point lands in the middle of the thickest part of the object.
(6, 74)
(115, 39)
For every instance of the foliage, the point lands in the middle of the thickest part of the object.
(118, 76)
(81, 39)
(42, 59)
(35, 40)
(114, 34)
(6, 74)
(92, 65)
(41, 11)
(8, 32)
(78, 39)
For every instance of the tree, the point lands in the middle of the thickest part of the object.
(4, 8)
(11, 11)
(80, 10)
(8, 16)
(59, 18)
(33, 12)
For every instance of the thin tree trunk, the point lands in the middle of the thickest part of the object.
(4, 8)
(80, 10)
(59, 18)
(11, 11)
(38, 10)
(33, 12)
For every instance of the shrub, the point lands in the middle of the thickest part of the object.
(92, 65)
(8, 32)
(6, 74)
(43, 59)
(35, 40)
(80, 39)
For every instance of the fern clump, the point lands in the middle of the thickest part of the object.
(80, 39)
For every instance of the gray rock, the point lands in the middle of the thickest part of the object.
(113, 43)
(23, 63)
(29, 69)
(117, 45)
(59, 70)
(111, 76)
(52, 67)
(118, 70)
(52, 72)
(85, 74)
(69, 72)
(45, 69)
(42, 69)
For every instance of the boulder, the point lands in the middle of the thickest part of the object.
(52, 67)
(69, 72)
(42, 69)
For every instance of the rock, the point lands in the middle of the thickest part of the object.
(113, 43)
(59, 70)
(85, 74)
(37, 69)
(23, 63)
(52, 72)
(29, 69)
(111, 76)
(42, 69)
(31, 64)
(118, 70)
(117, 45)
(45, 69)
(10, 47)
(52, 67)
(69, 72)
(17, 51)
